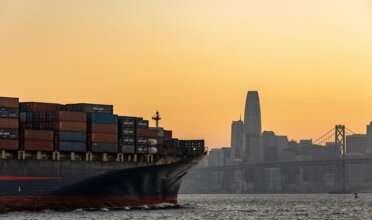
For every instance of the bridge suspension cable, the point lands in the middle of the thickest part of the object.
(328, 138)
(326, 135)
(349, 132)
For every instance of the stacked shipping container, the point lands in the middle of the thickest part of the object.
(165, 143)
(103, 132)
(143, 134)
(37, 125)
(102, 126)
(134, 135)
(9, 123)
(170, 146)
(127, 134)
(37, 115)
(37, 140)
(191, 147)
(82, 128)
(71, 131)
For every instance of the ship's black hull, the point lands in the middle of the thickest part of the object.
(68, 185)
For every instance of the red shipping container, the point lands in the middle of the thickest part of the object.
(71, 116)
(41, 107)
(144, 132)
(9, 102)
(103, 128)
(38, 135)
(8, 144)
(104, 138)
(168, 134)
(70, 126)
(33, 145)
(9, 123)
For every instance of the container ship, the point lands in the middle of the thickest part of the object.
(83, 156)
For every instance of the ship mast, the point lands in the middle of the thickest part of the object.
(157, 118)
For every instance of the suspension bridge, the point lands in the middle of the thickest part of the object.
(338, 162)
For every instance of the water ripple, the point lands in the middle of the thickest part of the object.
(215, 207)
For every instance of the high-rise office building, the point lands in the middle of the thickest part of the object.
(356, 144)
(284, 152)
(269, 144)
(252, 113)
(252, 128)
(356, 147)
(237, 132)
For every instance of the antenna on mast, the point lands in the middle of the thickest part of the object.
(157, 118)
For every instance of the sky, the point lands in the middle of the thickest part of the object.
(195, 60)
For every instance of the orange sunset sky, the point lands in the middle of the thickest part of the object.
(194, 60)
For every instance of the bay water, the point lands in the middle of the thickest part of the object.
(249, 206)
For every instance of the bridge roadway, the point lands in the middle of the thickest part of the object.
(305, 163)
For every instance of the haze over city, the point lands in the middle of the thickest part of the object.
(194, 61)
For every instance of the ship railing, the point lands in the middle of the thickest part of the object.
(76, 156)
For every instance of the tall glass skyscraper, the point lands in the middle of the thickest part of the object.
(252, 128)
(252, 113)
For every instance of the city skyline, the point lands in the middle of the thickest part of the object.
(273, 163)
(309, 61)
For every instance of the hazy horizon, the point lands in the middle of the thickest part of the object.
(194, 61)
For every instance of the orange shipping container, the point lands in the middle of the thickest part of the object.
(38, 135)
(71, 126)
(104, 138)
(9, 123)
(71, 116)
(103, 128)
(9, 102)
(8, 144)
(144, 132)
(33, 145)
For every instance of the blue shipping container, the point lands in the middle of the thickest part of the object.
(65, 146)
(9, 112)
(104, 148)
(71, 136)
(90, 108)
(102, 118)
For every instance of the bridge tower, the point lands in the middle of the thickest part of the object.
(340, 142)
